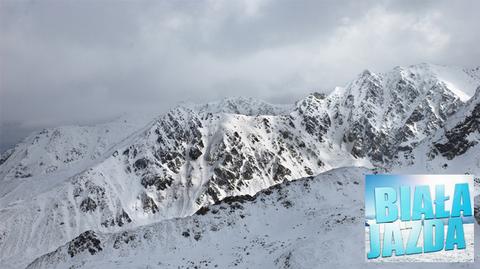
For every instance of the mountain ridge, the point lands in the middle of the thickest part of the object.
(196, 155)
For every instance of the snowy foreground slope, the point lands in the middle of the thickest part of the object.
(61, 182)
(315, 222)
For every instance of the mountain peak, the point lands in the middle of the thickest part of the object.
(247, 106)
(461, 81)
(365, 72)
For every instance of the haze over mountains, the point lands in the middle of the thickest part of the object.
(97, 196)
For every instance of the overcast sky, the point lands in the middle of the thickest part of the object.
(64, 62)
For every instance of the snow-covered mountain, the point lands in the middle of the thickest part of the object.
(178, 163)
(65, 150)
(380, 115)
(309, 223)
(62, 182)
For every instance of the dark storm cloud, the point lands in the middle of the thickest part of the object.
(80, 61)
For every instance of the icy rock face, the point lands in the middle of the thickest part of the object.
(380, 115)
(453, 148)
(86, 241)
(465, 134)
(189, 158)
(197, 155)
(313, 116)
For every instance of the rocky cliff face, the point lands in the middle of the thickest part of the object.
(116, 176)
(381, 115)
(465, 132)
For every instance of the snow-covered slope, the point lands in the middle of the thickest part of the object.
(308, 223)
(33, 183)
(244, 231)
(462, 81)
(196, 155)
(66, 148)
